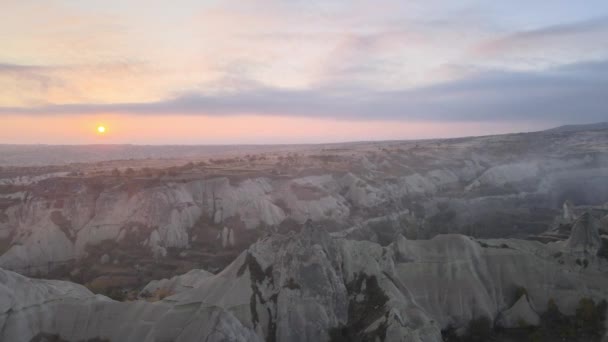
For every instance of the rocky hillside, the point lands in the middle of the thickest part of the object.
(311, 286)
(127, 222)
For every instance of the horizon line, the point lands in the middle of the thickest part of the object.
(603, 124)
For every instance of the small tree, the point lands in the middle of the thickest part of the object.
(590, 317)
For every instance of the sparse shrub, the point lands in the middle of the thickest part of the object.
(586, 325)
(522, 323)
(479, 330)
(163, 293)
(557, 255)
(552, 307)
(483, 244)
(603, 251)
(292, 285)
(115, 293)
(449, 335)
(590, 317)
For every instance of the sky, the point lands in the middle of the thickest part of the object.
(297, 71)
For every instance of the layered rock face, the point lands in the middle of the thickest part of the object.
(314, 287)
(42, 310)
(497, 186)
(585, 236)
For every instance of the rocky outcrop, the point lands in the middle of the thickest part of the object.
(502, 175)
(568, 214)
(360, 192)
(585, 237)
(31, 309)
(176, 284)
(520, 315)
(312, 286)
(495, 186)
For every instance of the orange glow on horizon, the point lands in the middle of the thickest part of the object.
(244, 129)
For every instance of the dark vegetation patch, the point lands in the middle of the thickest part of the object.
(283, 205)
(53, 189)
(478, 330)
(256, 272)
(307, 192)
(258, 276)
(6, 189)
(5, 244)
(582, 263)
(114, 293)
(586, 325)
(485, 245)
(603, 251)
(326, 158)
(289, 225)
(363, 312)
(292, 285)
(206, 248)
(386, 231)
(46, 337)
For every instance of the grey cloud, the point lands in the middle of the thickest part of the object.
(566, 94)
(32, 73)
(586, 26)
(10, 68)
(566, 35)
(43, 71)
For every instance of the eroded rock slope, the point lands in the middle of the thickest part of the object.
(311, 286)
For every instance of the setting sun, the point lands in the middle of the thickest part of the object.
(101, 129)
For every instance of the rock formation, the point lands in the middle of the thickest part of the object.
(311, 286)
(495, 186)
(585, 237)
(176, 284)
(520, 315)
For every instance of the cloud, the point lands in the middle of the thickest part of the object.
(32, 84)
(28, 73)
(564, 40)
(565, 93)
